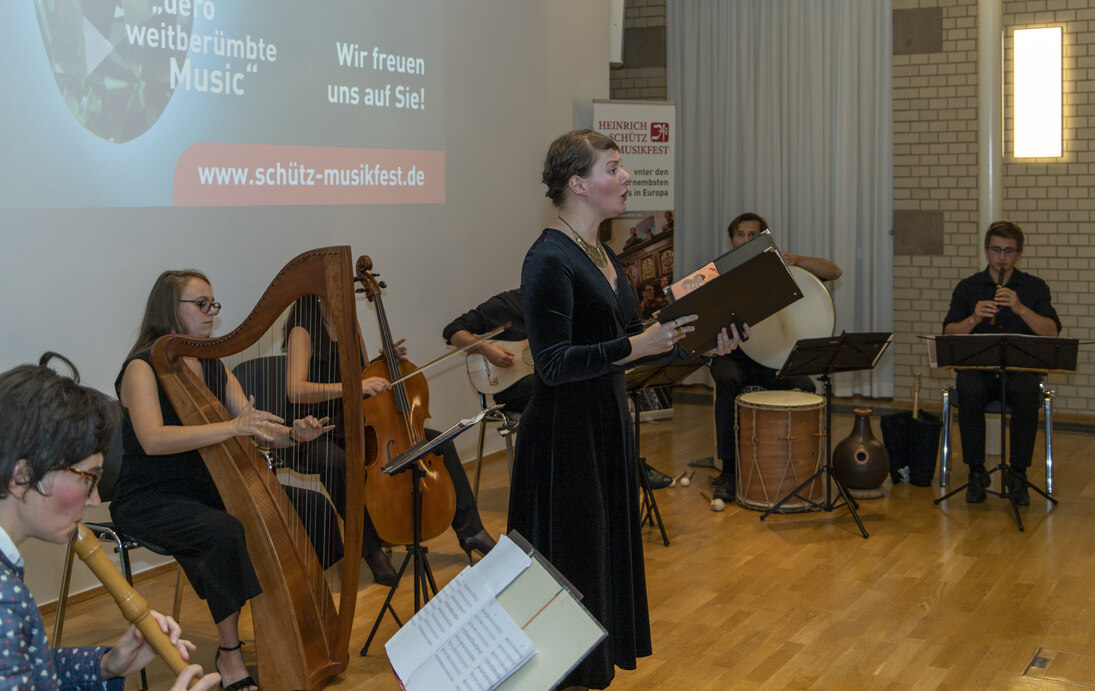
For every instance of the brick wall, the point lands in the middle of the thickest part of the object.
(643, 74)
(935, 170)
(937, 236)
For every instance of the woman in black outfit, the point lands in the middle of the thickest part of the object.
(164, 494)
(574, 493)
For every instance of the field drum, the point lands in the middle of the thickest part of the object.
(780, 444)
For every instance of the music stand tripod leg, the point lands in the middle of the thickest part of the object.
(1039, 490)
(849, 501)
(953, 492)
(1005, 477)
(1007, 473)
(387, 606)
(649, 502)
(417, 554)
(649, 505)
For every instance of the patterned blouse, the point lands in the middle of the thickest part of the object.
(26, 660)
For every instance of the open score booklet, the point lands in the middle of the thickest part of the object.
(463, 638)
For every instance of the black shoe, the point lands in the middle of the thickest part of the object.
(383, 572)
(656, 478)
(1017, 486)
(724, 488)
(481, 542)
(977, 482)
(244, 683)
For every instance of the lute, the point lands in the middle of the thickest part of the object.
(488, 378)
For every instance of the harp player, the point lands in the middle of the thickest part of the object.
(165, 494)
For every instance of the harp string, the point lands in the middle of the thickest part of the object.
(323, 460)
(303, 488)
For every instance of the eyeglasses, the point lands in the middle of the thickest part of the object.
(92, 478)
(205, 305)
(1005, 251)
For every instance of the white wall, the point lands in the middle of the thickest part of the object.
(517, 75)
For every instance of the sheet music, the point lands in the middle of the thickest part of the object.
(502, 564)
(463, 638)
(486, 649)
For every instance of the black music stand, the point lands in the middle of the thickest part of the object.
(1000, 353)
(424, 582)
(645, 377)
(847, 352)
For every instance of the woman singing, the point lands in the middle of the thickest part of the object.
(575, 485)
(164, 493)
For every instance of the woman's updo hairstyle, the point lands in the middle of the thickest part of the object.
(572, 154)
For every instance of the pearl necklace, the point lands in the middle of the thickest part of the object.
(596, 253)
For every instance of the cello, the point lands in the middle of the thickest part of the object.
(394, 421)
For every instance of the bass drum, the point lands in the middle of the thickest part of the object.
(813, 316)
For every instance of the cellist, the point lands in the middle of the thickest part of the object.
(312, 379)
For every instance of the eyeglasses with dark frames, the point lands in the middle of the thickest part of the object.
(205, 305)
(92, 478)
(1005, 251)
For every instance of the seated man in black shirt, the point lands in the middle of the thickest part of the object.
(1000, 299)
(498, 310)
(735, 372)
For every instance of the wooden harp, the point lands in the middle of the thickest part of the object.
(302, 637)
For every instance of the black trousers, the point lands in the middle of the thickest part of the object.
(190, 522)
(975, 389)
(731, 376)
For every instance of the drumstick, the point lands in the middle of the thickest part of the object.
(133, 606)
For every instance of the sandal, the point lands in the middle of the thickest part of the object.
(241, 683)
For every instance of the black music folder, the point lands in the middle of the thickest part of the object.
(752, 284)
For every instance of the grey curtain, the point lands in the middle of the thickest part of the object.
(784, 109)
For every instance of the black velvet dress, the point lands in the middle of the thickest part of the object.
(574, 493)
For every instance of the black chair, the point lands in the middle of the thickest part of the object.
(264, 378)
(950, 400)
(123, 543)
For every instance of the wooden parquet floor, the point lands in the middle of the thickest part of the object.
(950, 597)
